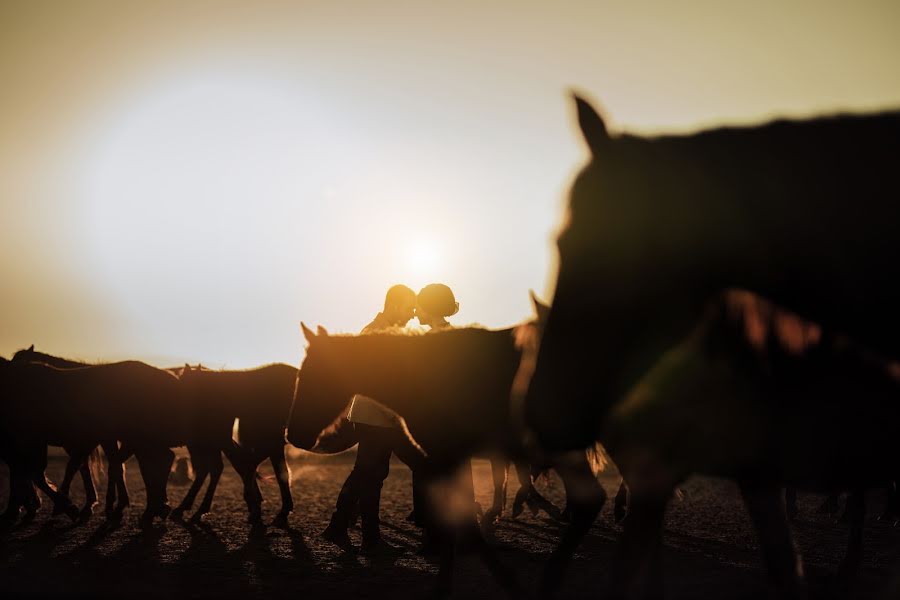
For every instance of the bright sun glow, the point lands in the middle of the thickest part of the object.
(424, 256)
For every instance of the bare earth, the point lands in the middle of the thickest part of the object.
(710, 550)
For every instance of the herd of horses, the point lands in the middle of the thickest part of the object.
(726, 304)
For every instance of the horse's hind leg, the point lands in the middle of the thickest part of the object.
(767, 511)
(283, 476)
(586, 498)
(215, 468)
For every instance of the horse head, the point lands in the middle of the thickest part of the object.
(319, 395)
(617, 276)
(25, 355)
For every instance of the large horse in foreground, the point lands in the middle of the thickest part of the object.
(801, 213)
(452, 389)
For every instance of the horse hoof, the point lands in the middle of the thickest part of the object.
(177, 514)
(164, 511)
(197, 518)
(280, 521)
(73, 513)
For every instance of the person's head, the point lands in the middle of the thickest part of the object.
(435, 302)
(399, 305)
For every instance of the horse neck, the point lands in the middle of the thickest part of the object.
(381, 367)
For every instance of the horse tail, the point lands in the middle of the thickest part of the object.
(597, 458)
(95, 464)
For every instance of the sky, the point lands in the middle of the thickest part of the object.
(188, 181)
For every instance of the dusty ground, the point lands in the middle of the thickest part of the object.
(710, 550)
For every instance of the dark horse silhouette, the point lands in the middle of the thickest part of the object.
(802, 213)
(129, 401)
(261, 400)
(82, 458)
(452, 389)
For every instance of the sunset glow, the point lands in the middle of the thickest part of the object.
(189, 184)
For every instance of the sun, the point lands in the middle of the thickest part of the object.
(424, 256)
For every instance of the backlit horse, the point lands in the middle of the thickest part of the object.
(802, 213)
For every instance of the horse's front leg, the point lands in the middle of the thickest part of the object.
(216, 466)
(252, 495)
(201, 465)
(526, 487)
(283, 476)
(767, 511)
(73, 465)
(585, 499)
(499, 468)
(90, 489)
(43, 484)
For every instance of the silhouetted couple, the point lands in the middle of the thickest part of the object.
(381, 431)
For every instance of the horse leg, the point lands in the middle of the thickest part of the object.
(115, 480)
(856, 513)
(73, 465)
(40, 480)
(767, 511)
(215, 469)
(499, 469)
(586, 498)
(830, 505)
(252, 495)
(523, 472)
(155, 466)
(620, 505)
(201, 464)
(90, 489)
(17, 497)
(790, 502)
(283, 476)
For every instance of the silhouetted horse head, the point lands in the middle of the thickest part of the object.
(613, 310)
(319, 394)
(658, 227)
(25, 355)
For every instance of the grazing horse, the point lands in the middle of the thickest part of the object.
(81, 459)
(452, 389)
(802, 213)
(129, 401)
(261, 400)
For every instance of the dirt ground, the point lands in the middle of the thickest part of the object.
(710, 549)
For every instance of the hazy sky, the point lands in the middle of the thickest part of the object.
(190, 180)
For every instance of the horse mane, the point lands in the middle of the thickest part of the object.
(774, 334)
(43, 357)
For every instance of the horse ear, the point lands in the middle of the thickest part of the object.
(31, 348)
(322, 331)
(187, 368)
(592, 126)
(307, 333)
